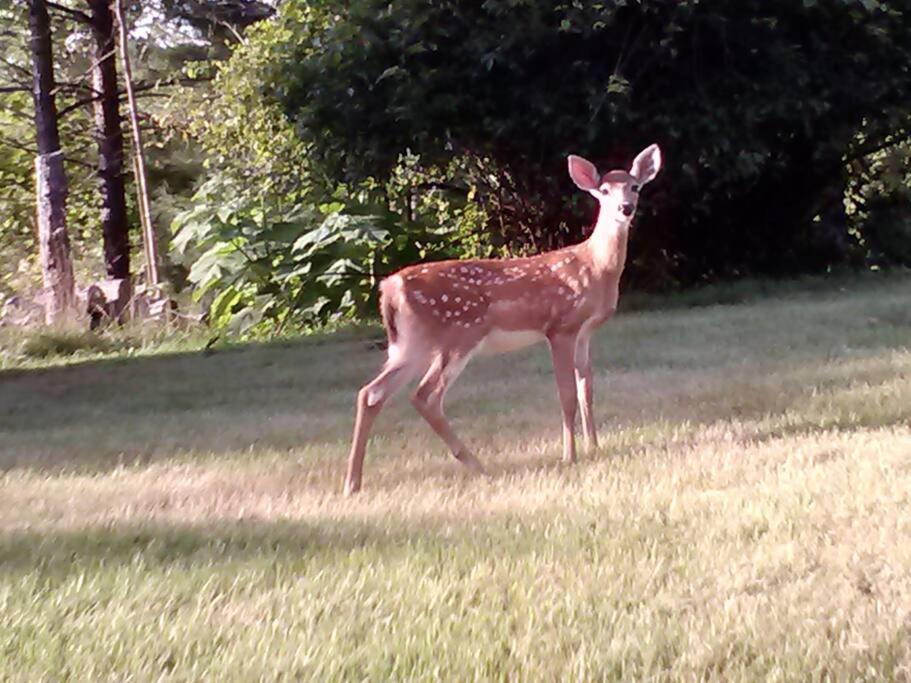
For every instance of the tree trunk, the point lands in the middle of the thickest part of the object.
(114, 223)
(142, 192)
(50, 176)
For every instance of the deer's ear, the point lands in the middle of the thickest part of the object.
(646, 164)
(583, 173)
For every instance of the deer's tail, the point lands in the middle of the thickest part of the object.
(389, 308)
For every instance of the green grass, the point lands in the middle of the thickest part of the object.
(178, 516)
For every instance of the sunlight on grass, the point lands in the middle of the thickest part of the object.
(746, 517)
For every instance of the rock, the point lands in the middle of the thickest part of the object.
(108, 300)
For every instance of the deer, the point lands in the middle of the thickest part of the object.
(439, 315)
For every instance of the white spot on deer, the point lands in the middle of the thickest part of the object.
(433, 302)
(374, 396)
(444, 298)
(458, 299)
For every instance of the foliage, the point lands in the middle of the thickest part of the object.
(757, 106)
(413, 130)
(166, 36)
(269, 239)
(262, 263)
(16, 194)
(879, 201)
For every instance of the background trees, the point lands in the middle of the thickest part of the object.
(303, 155)
(760, 107)
(89, 96)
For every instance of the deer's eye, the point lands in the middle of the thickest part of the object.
(635, 188)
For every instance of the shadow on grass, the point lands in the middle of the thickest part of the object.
(293, 395)
(286, 419)
(156, 544)
(162, 545)
(750, 289)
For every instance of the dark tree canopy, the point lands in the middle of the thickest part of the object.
(757, 105)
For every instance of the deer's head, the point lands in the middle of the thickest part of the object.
(617, 191)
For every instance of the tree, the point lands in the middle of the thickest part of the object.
(172, 38)
(145, 209)
(271, 241)
(109, 131)
(51, 183)
(758, 106)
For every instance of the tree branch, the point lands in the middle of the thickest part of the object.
(15, 144)
(18, 67)
(74, 13)
(68, 85)
(890, 139)
(140, 88)
(450, 187)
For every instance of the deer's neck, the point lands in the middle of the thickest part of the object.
(608, 243)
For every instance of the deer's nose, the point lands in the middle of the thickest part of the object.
(627, 209)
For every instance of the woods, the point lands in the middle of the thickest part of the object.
(297, 155)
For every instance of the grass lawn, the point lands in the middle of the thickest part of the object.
(179, 516)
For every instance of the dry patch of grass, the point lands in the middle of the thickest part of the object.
(747, 516)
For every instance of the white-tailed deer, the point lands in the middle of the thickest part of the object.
(438, 315)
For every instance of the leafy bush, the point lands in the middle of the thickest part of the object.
(758, 107)
(344, 142)
(263, 265)
(879, 202)
(270, 239)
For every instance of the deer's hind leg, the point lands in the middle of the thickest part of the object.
(428, 401)
(370, 399)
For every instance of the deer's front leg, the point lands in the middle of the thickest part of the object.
(563, 351)
(584, 388)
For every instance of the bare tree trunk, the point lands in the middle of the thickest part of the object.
(50, 177)
(114, 222)
(145, 210)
